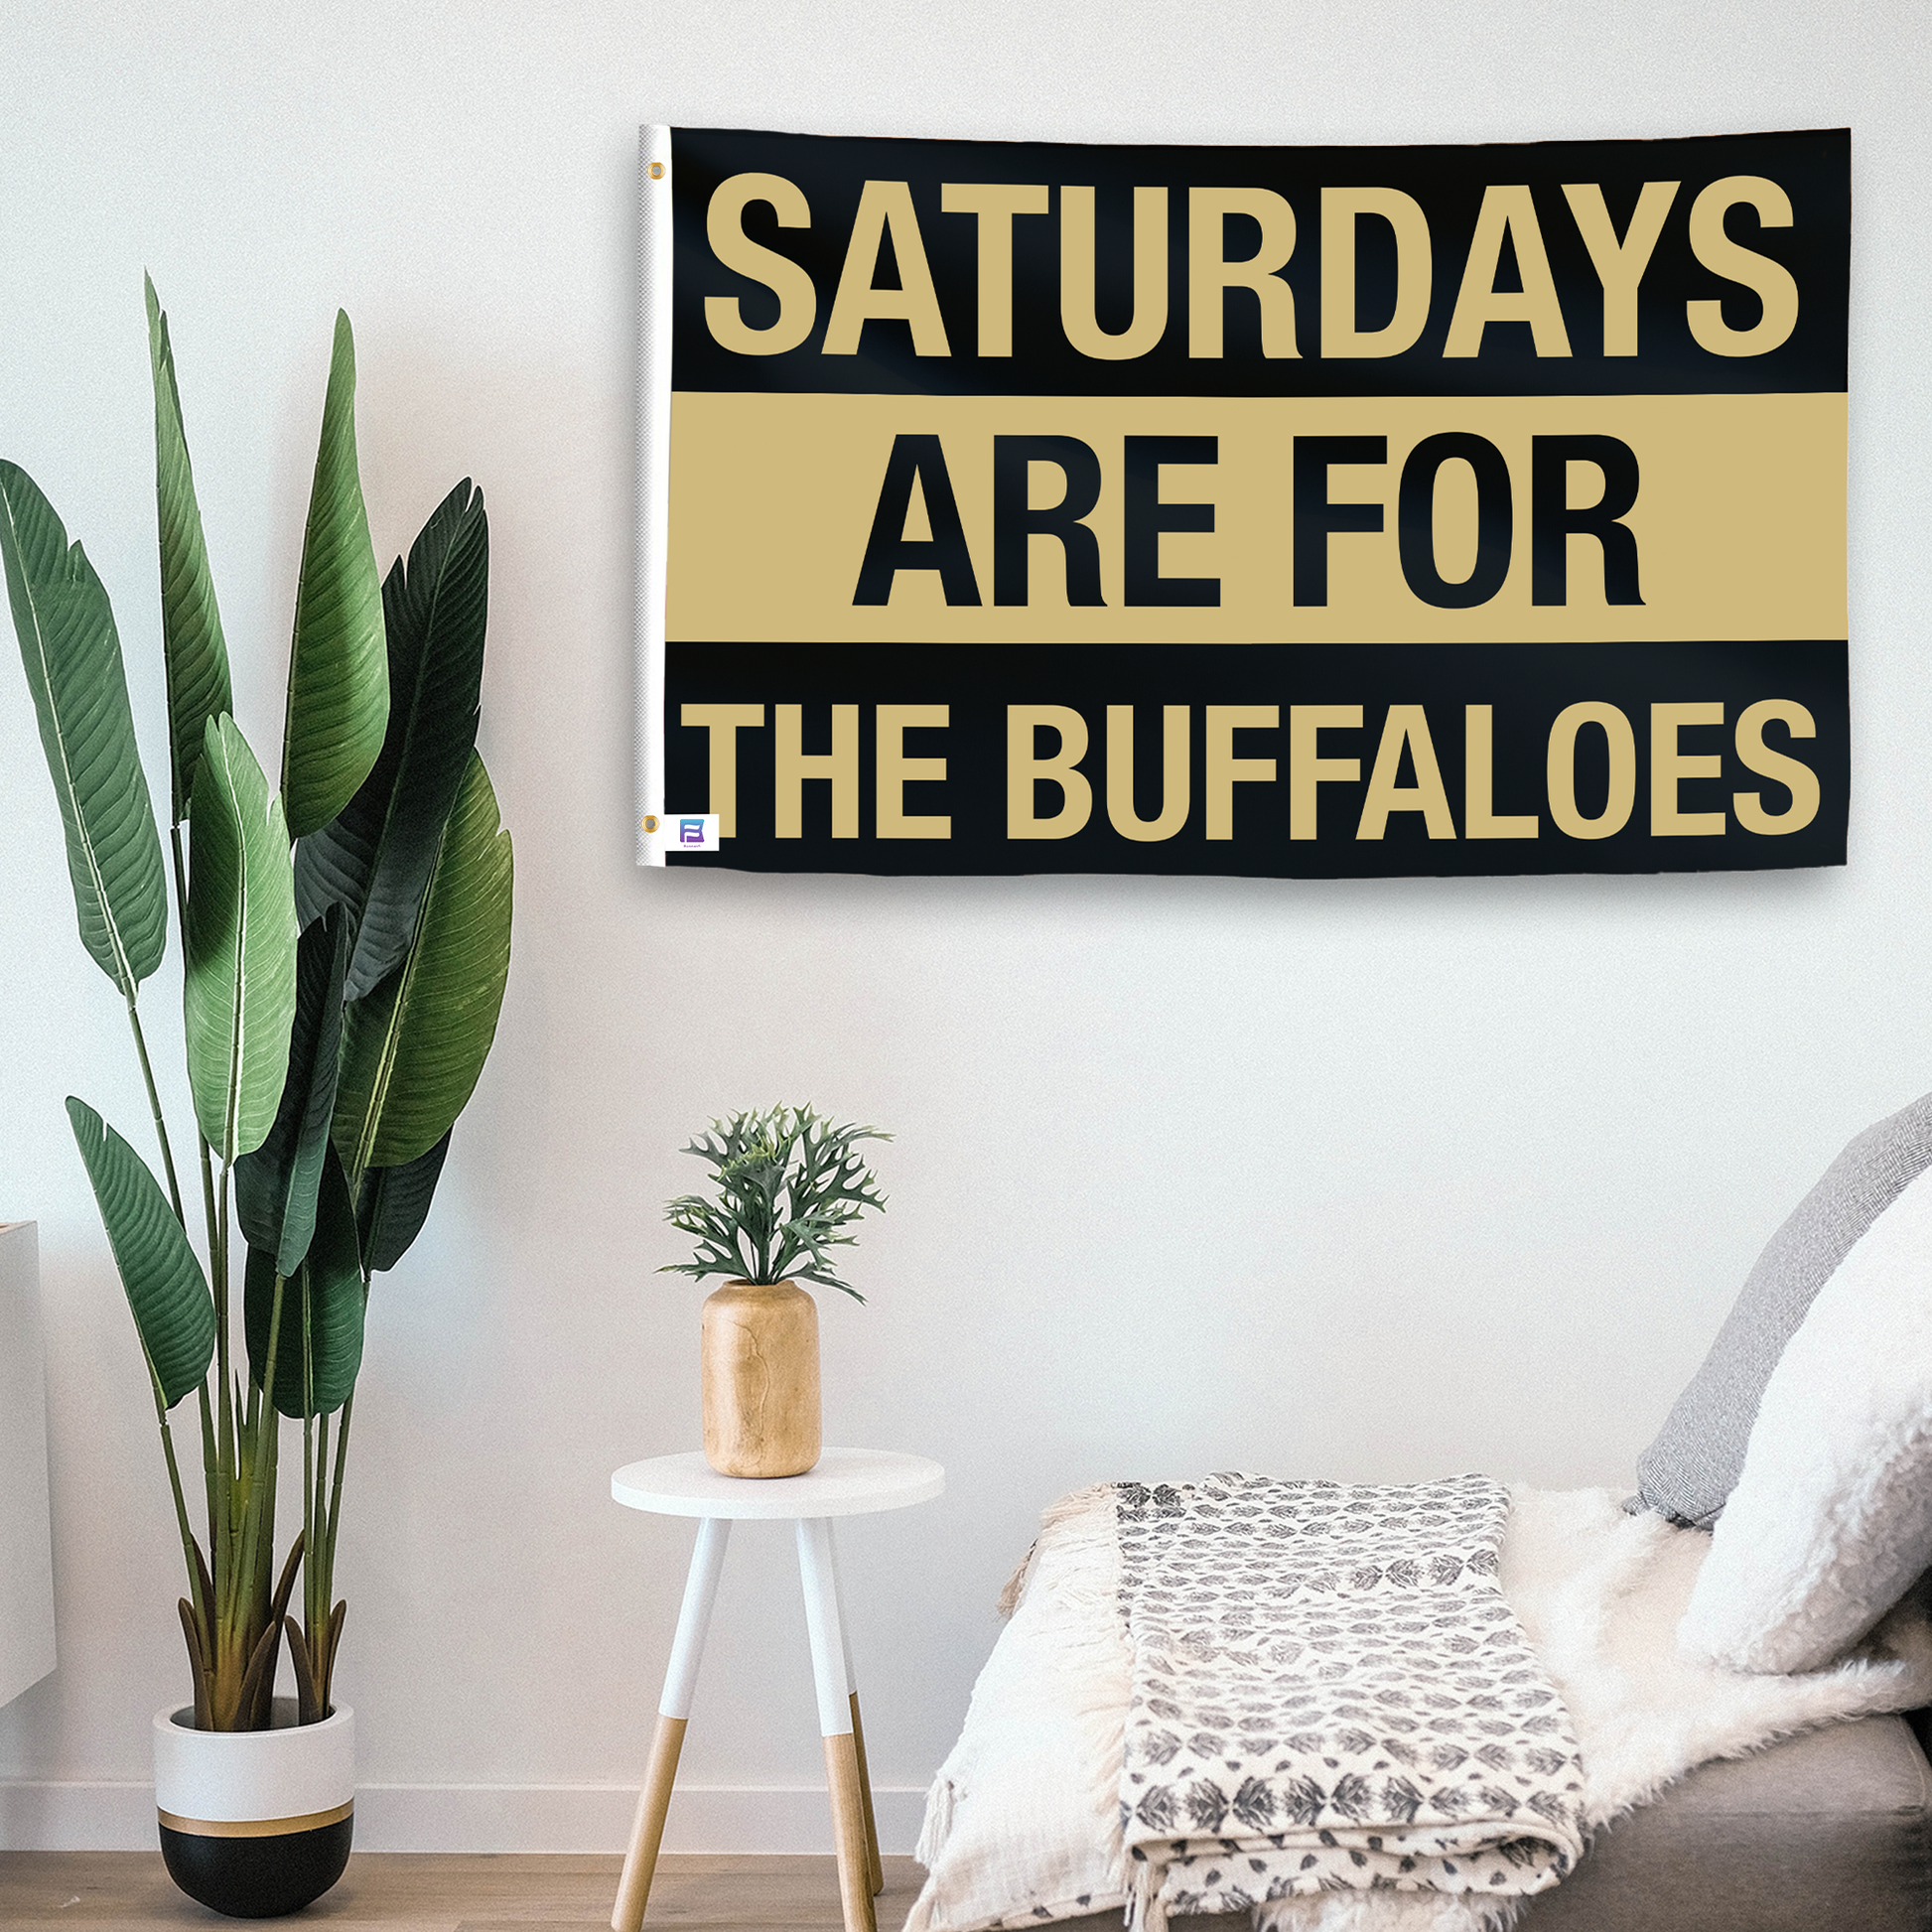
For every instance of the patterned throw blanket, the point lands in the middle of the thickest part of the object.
(1330, 1693)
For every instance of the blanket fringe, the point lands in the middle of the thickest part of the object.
(937, 1828)
(1080, 1533)
(1385, 1911)
(1145, 1911)
(1076, 1502)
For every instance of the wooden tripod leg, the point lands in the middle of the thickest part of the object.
(674, 1710)
(849, 1830)
(818, 1580)
(873, 1859)
(648, 1830)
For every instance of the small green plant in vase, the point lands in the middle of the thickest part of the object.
(790, 1190)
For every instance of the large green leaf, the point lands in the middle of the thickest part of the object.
(377, 855)
(394, 1204)
(173, 1311)
(193, 648)
(238, 990)
(275, 1186)
(339, 673)
(413, 1049)
(326, 1294)
(73, 656)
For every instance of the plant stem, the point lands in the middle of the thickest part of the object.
(336, 1491)
(210, 1455)
(222, 1288)
(181, 920)
(320, 1562)
(154, 1106)
(315, 1576)
(308, 1534)
(210, 1481)
(261, 1489)
(308, 1475)
(225, 1446)
(220, 1497)
(208, 1187)
(180, 1509)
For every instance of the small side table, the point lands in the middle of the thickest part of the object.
(846, 1482)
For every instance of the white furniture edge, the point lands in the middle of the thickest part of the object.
(846, 1482)
(27, 1646)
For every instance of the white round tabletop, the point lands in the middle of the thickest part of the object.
(845, 1482)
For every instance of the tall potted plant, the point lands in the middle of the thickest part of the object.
(345, 945)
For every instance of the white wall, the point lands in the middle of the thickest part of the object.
(1374, 1180)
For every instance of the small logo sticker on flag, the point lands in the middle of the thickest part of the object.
(692, 831)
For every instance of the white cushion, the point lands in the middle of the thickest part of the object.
(1831, 1521)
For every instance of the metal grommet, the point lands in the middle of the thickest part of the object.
(657, 171)
(650, 821)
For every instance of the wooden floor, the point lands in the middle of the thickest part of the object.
(109, 1891)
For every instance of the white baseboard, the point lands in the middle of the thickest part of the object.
(45, 1816)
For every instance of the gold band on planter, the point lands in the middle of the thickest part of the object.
(311, 1821)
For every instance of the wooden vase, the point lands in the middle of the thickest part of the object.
(760, 1379)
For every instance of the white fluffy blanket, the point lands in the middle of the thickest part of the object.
(1023, 1823)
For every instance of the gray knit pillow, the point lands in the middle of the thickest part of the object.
(1690, 1470)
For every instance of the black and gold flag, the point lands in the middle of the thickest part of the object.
(1296, 511)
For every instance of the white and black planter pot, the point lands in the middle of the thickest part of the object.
(255, 1824)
